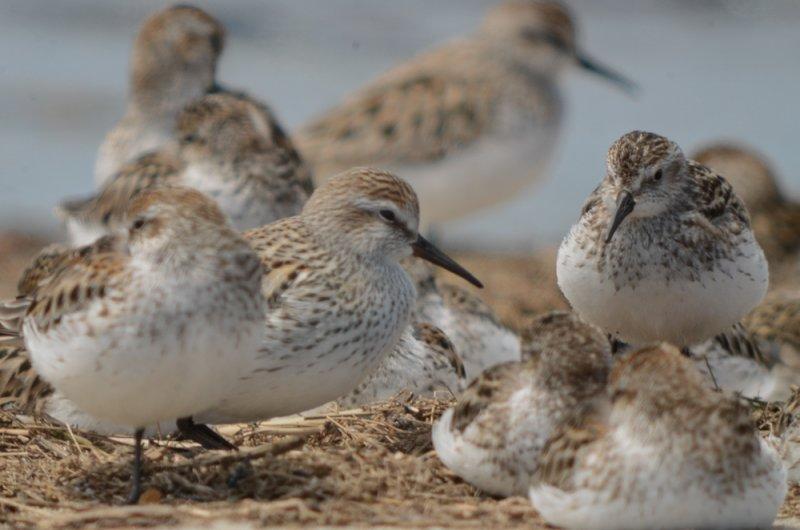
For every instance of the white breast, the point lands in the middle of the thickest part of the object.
(681, 311)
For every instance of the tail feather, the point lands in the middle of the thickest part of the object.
(739, 342)
(12, 312)
(20, 385)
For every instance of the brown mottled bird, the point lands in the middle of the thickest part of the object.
(479, 115)
(493, 437)
(663, 451)
(152, 328)
(228, 147)
(774, 216)
(663, 249)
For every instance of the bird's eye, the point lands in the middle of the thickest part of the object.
(189, 138)
(388, 215)
(137, 224)
(658, 175)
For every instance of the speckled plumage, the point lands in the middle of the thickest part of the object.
(43, 268)
(20, 385)
(682, 266)
(174, 61)
(775, 217)
(142, 332)
(483, 106)
(481, 340)
(337, 298)
(493, 436)
(423, 361)
(228, 147)
(760, 357)
(663, 452)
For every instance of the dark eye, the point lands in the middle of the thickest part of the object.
(388, 215)
(190, 138)
(658, 175)
(137, 224)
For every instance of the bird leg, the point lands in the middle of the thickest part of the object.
(617, 345)
(203, 434)
(136, 477)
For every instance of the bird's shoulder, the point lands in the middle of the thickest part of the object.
(715, 201)
(288, 255)
(107, 207)
(463, 301)
(20, 385)
(80, 282)
(284, 155)
(417, 112)
(492, 387)
(560, 454)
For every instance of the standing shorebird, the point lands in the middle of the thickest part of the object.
(493, 436)
(174, 61)
(424, 362)
(337, 298)
(228, 148)
(665, 452)
(479, 115)
(152, 328)
(775, 217)
(663, 250)
(22, 387)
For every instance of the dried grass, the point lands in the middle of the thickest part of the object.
(372, 466)
(773, 417)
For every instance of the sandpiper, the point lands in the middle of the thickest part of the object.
(21, 386)
(174, 61)
(493, 436)
(337, 298)
(664, 452)
(663, 249)
(479, 115)
(228, 148)
(480, 339)
(155, 328)
(423, 361)
(775, 217)
(335, 294)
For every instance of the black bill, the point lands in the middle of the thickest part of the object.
(426, 250)
(590, 65)
(625, 205)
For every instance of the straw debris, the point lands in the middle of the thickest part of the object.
(373, 466)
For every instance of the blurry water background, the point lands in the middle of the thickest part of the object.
(708, 69)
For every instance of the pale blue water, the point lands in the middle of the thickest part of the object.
(708, 69)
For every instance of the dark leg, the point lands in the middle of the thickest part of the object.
(617, 345)
(203, 434)
(687, 352)
(711, 373)
(136, 477)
